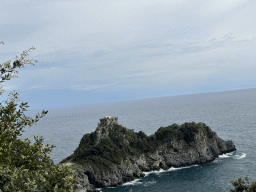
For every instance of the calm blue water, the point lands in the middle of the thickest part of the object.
(230, 114)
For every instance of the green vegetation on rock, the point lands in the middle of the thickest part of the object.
(122, 143)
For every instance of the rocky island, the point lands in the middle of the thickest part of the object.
(113, 154)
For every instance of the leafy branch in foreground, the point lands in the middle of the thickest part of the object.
(25, 167)
(241, 185)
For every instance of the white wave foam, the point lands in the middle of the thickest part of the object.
(137, 182)
(155, 171)
(146, 173)
(174, 169)
(240, 156)
(162, 171)
(134, 182)
(226, 155)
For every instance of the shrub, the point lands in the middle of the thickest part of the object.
(24, 166)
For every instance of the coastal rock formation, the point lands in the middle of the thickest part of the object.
(113, 154)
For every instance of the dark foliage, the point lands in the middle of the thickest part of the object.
(243, 185)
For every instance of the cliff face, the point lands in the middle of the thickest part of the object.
(173, 146)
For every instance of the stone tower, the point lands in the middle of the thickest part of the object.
(107, 120)
(104, 126)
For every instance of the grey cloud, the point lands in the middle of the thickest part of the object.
(98, 53)
(100, 42)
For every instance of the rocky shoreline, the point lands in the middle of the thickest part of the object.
(204, 147)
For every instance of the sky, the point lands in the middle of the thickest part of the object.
(98, 51)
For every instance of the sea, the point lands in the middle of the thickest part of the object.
(231, 114)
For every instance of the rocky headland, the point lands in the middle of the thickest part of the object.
(113, 154)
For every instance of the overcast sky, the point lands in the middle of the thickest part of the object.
(94, 51)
